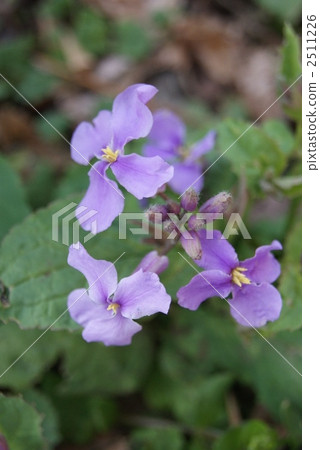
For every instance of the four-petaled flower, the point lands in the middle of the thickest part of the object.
(105, 139)
(167, 139)
(107, 311)
(254, 300)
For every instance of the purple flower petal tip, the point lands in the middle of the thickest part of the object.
(255, 305)
(263, 266)
(207, 284)
(142, 294)
(142, 176)
(153, 262)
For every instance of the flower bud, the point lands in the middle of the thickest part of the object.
(157, 213)
(153, 262)
(173, 207)
(189, 200)
(169, 226)
(217, 204)
(196, 223)
(191, 243)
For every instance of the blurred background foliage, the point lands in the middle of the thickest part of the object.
(192, 380)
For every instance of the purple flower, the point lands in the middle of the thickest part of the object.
(105, 139)
(153, 262)
(254, 300)
(167, 139)
(107, 310)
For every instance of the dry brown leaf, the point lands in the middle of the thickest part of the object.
(134, 9)
(256, 81)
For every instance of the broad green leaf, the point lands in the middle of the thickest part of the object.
(157, 439)
(131, 40)
(39, 187)
(91, 368)
(15, 58)
(290, 283)
(251, 152)
(252, 435)
(285, 10)
(45, 407)
(291, 186)
(199, 403)
(29, 369)
(291, 55)
(92, 31)
(75, 180)
(281, 133)
(82, 417)
(293, 243)
(202, 402)
(291, 291)
(13, 206)
(20, 424)
(178, 273)
(37, 85)
(35, 273)
(57, 121)
(276, 382)
(209, 325)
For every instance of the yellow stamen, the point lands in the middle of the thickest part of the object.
(239, 278)
(183, 152)
(114, 307)
(110, 155)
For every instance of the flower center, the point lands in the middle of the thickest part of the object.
(114, 307)
(238, 277)
(110, 155)
(183, 152)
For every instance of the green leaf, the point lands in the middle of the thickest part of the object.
(45, 407)
(37, 85)
(290, 283)
(281, 133)
(291, 186)
(178, 273)
(285, 10)
(131, 40)
(291, 57)
(157, 439)
(15, 56)
(82, 417)
(29, 369)
(20, 424)
(251, 152)
(92, 30)
(35, 273)
(276, 382)
(253, 435)
(93, 367)
(55, 119)
(202, 402)
(74, 180)
(13, 206)
(39, 187)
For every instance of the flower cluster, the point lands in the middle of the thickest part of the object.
(108, 309)
(105, 139)
(254, 300)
